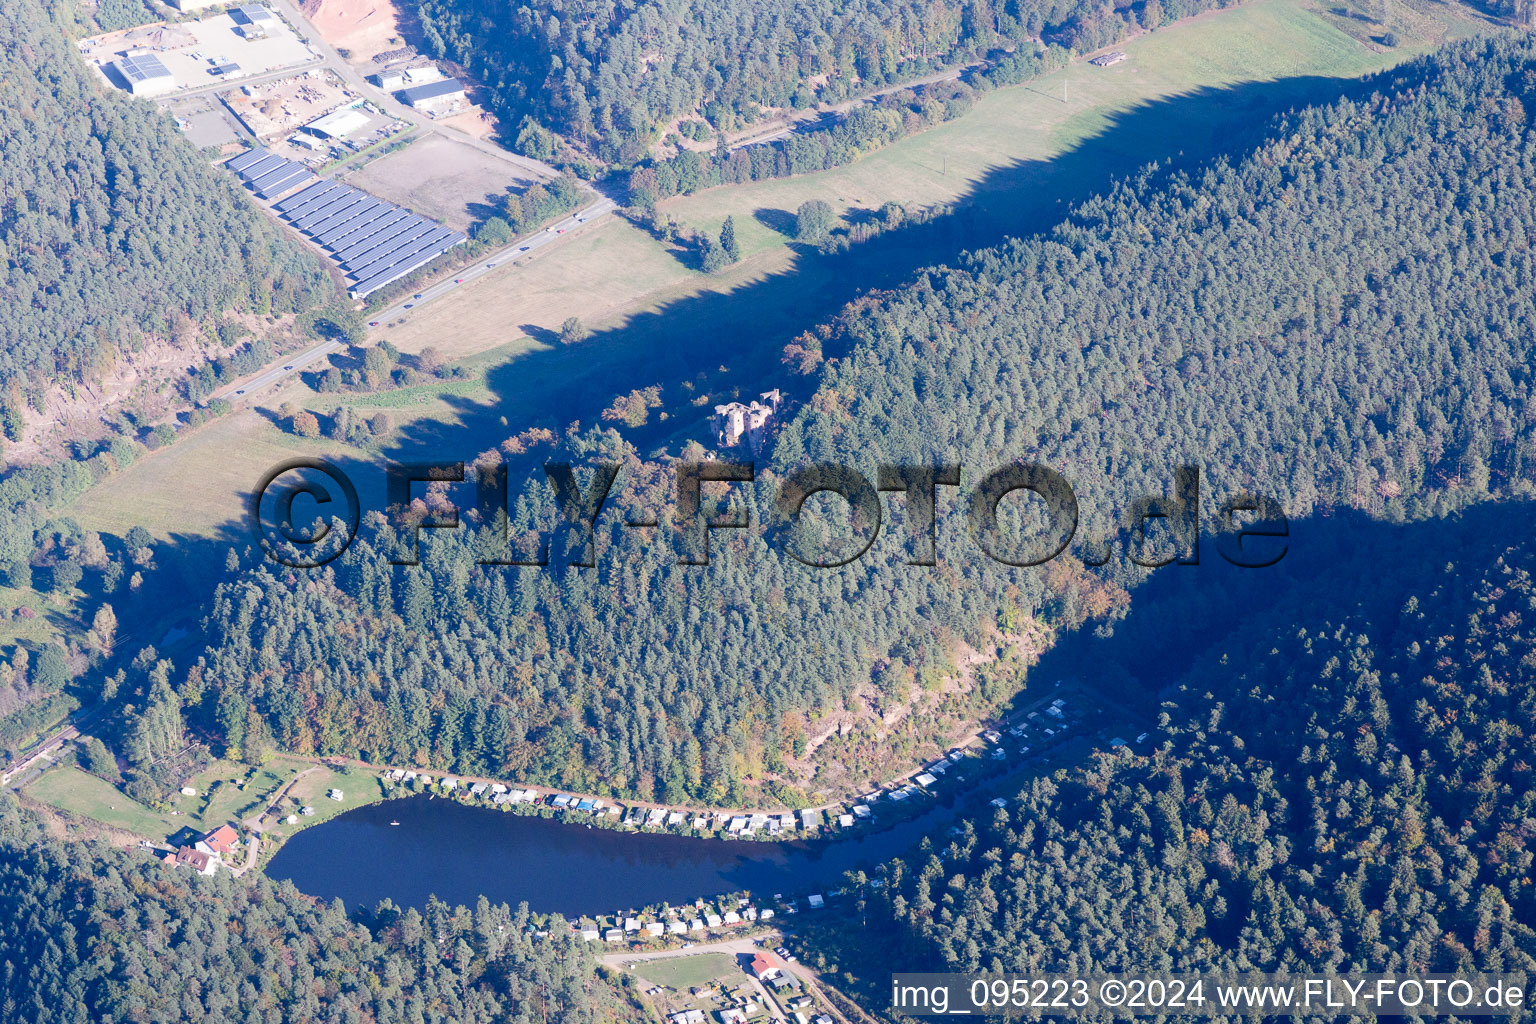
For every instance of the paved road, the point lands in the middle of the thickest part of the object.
(447, 286)
(519, 248)
(293, 364)
(252, 850)
(226, 84)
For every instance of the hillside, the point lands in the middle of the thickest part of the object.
(1342, 783)
(113, 228)
(92, 933)
(1338, 320)
(609, 76)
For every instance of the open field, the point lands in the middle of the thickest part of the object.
(78, 792)
(685, 972)
(358, 787)
(226, 792)
(448, 181)
(1012, 165)
(233, 792)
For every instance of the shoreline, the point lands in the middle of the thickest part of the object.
(965, 769)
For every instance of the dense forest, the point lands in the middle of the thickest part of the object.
(90, 933)
(608, 76)
(112, 226)
(1341, 319)
(1343, 783)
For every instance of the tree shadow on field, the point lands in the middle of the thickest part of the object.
(542, 335)
(781, 221)
(743, 332)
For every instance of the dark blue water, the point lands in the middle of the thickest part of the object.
(460, 853)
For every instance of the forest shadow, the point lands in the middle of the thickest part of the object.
(1339, 566)
(743, 332)
(1181, 614)
(733, 341)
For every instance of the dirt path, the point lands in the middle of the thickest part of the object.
(254, 823)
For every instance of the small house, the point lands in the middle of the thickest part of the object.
(197, 860)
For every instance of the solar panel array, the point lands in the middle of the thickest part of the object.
(372, 241)
(268, 175)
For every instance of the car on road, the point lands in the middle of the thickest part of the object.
(408, 305)
(490, 266)
(417, 295)
(287, 367)
(373, 323)
(523, 249)
(560, 232)
(458, 280)
(240, 392)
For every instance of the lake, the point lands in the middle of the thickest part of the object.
(459, 853)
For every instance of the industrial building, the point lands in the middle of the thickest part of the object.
(143, 75)
(268, 175)
(253, 21)
(391, 79)
(338, 124)
(373, 242)
(434, 95)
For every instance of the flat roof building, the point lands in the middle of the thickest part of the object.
(434, 95)
(144, 75)
(338, 124)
